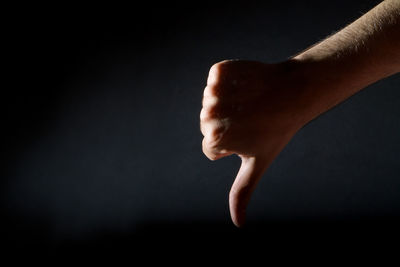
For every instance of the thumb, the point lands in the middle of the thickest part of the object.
(250, 172)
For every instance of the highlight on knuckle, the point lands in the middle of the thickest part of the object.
(217, 131)
(215, 68)
(216, 72)
(209, 101)
(208, 150)
(209, 142)
(212, 156)
(206, 115)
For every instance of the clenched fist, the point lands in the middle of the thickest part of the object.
(250, 109)
(253, 109)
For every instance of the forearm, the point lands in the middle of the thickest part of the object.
(253, 109)
(360, 54)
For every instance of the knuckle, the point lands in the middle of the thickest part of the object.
(213, 77)
(210, 144)
(214, 130)
(217, 132)
(216, 89)
(205, 115)
(206, 127)
(209, 152)
(208, 91)
(209, 101)
(215, 73)
(202, 130)
(215, 68)
(212, 157)
(212, 112)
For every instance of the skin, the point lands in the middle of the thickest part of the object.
(253, 109)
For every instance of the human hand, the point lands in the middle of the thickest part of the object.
(250, 109)
(253, 109)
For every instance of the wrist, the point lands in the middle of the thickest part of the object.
(300, 79)
(320, 85)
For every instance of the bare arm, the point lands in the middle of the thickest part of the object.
(360, 54)
(253, 109)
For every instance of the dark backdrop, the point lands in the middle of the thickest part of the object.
(102, 145)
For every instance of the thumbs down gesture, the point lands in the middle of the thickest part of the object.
(250, 109)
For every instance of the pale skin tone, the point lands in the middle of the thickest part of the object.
(253, 109)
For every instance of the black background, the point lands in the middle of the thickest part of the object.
(102, 147)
